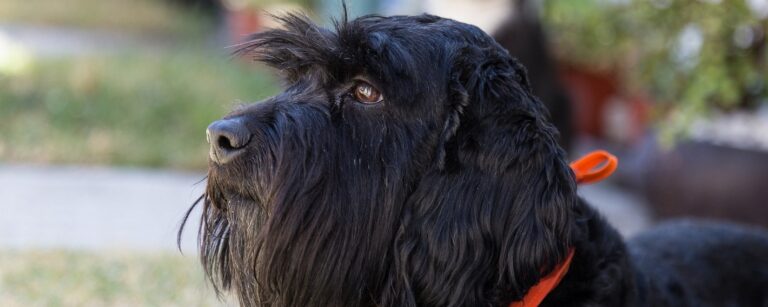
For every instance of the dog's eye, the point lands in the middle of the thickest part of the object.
(366, 93)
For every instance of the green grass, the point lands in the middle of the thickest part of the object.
(138, 110)
(69, 278)
(137, 16)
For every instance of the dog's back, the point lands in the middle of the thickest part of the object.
(696, 263)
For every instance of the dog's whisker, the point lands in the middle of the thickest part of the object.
(184, 220)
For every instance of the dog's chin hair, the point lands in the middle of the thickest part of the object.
(213, 239)
(213, 243)
(222, 216)
(256, 254)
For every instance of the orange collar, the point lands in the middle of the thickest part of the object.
(593, 167)
(537, 293)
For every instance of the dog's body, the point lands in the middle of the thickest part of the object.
(681, 263)
(408, 164)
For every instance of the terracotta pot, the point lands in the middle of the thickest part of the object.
(242, 22)
(602, 108)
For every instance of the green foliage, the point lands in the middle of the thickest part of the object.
(77, 278)
(139, 109)
(653, 43)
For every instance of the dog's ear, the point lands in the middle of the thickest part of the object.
(493, 215)
(482, 80)
(294, 49)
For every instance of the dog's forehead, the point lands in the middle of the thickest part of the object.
(423, 28)
(405, 45)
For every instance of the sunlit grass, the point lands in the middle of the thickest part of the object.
(138, 16)
(139, 110)
(69, 278)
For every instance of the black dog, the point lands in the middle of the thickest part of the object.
(407, 164)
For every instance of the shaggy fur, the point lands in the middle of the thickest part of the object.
(452, 191)
(523, 35)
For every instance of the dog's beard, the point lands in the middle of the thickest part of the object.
(314, 234)
(228, 233)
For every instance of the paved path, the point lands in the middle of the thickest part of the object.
(626, 212)
(95, 208)
(133, 209)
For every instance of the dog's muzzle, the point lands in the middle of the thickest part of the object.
(228, 139)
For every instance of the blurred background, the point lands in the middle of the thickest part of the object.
(104, 104)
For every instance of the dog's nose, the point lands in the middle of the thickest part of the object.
(228, 138)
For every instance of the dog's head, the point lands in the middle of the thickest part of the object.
(406, 163)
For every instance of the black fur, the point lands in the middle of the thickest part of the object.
(523, 35)
(451, 192)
